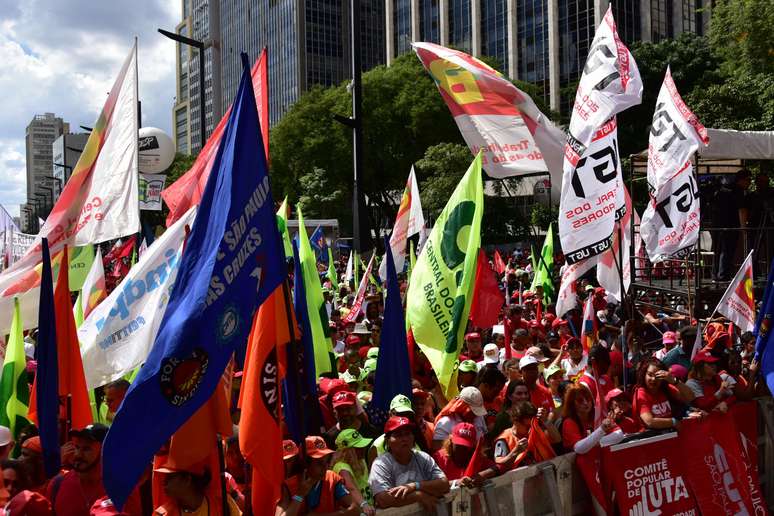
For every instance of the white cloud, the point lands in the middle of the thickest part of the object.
(63, 57)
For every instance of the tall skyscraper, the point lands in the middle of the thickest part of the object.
(65, 152)
(544, 42)
(201, 21)
(42, 187)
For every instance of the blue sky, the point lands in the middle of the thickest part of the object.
(62, 56)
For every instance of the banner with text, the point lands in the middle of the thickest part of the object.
(151, 186)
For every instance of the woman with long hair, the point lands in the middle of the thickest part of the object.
(712, 392)
(657, 389)
(349, 462)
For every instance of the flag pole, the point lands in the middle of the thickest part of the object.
(222, 475)
(292, 353)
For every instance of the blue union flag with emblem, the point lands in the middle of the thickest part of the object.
(233, 260)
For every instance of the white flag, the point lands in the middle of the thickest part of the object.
(349, 273)
(592, 198)
(608, 274)
(567, 297)
(119, 333)
(670, 224)
(357, 304)
(738, 303)
(100, 200)
(408, 222)
(94, 289)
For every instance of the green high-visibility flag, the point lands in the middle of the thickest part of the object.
(442, 281)
(282, 224)
(14, 392)
(332, 274)
(78, 310)
(315, 302)
(545, 264)
(412, 257)
(80, 265)
(356, 266)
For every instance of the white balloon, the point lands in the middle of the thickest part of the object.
(156, 150)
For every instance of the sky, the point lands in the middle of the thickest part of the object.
(62, 56)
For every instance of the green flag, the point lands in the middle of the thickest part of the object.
(14, 392)
(441, 287)
(356, 266)
(332, 274)
(315, 302)
(80, 264)
(412, 257)
(282, 224)
(545, 264)
(371, 278)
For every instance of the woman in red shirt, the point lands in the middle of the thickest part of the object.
(457, 452)
(656, 390)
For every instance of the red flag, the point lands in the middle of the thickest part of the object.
(72, 381)
(499, 264)
(187, 190)
(477, 460)
(115, 257)
(487, 298)
(260, 436)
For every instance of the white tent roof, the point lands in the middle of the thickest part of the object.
(729, 144)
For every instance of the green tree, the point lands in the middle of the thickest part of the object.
(744, 101)
(741, 32)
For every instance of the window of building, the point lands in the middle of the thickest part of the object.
(429, 21)
(460, 25)
(494, 32)
(532, 30)
(401, 19)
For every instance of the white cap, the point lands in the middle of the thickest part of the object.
(29, 350)
(491, 354)
(5, 436)
(527, 360)
(472, 396)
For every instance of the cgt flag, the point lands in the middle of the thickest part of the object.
(441, 288)
(592, 197)
(738, 303)
(232, 262)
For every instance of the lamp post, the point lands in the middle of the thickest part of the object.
(199, 45)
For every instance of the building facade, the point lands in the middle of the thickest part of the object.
(65, 152)
(42, 186)
(200, 21)
(544, 42)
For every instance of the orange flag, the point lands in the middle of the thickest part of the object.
(260, 436)
(72, 381)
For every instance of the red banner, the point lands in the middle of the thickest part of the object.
(649, 478)
(745, 415)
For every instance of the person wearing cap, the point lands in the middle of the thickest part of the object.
(29, 503)
(681, 353)
(190, 491)
(539, 395)
(655, 393)
(619, 410)
(520, 342)
(349, 462)
(32, 457)
(421, 404)
(473, 350)
(711, 391)
(6, 442)
(490, 382)
(403, 475)
(491, 357)
(455, 455)
(466, 374)
(668, 339)
(576, 361)
(554, 377)
(467, 407)
(345, 408)
(400, 406)
(319, 489)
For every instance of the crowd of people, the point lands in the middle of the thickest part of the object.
(531, 387)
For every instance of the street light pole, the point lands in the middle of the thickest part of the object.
(199, 45)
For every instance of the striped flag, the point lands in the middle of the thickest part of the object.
(94, 290)
(14, 392)
(589, 326)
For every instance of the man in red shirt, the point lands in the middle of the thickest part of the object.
(539, 396)
(597, 381)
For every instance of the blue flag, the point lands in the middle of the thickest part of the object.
(393, 371)
(319, 244)
(764, 349)
(233, 260)
(47, 376)
(304, 420)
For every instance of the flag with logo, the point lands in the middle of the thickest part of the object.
(614, 264)
(188, 189)
(567, 297)
(494, 116)
(441, 288)
(357, 304)
(408, 222)
(393, 374)
(545, 264)
(592, 198)
(80, 264)
(670, 224)
(117, 334)
(94, 289)
(99, 202)
(232, 262)
(738, 303)
(319, 244)
(14, 389)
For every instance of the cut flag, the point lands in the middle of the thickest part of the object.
(115, 257)
(14, 389)
(282, 223)
(94, 290)
(499, 263)
(441, 288)
(231, 263)
(545, 264)
(315, 302)
(348, 272)
(487, 298)
(738, 303)
(393, 373)
(333, 276)
(408, 222)
(187, 191)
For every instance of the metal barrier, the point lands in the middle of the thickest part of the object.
(555, 487)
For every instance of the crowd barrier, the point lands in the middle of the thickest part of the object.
(556, 487)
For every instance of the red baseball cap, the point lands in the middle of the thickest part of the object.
(612, 394)
(397, 422)
(464, 434)
(104, 507)
(704, 356)
(331, 386)
(344, 399)
(473, 335)
(316, 447)
(289, 449)
(352, 340)
(558, 322)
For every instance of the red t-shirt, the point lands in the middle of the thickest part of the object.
(541, 397)
(72, 497)
(571, 434)
(659, 404)
(449, 468)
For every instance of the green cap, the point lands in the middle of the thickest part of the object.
(468, 366)
(364, 397)
(351, 438)
(370, 365)
(549, 371)
(372, 352)
(401, 404)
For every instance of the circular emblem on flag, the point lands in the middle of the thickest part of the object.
(270, 385)
(181, 377)
(229, 323)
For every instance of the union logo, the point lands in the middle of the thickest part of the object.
(181, 377)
